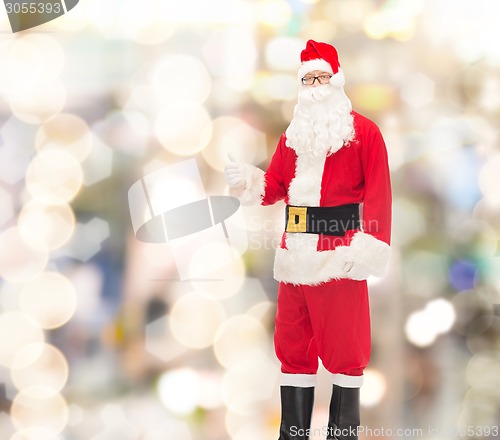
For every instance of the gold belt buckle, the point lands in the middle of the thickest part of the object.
(297, 219)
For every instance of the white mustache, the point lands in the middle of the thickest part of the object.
(315, 94)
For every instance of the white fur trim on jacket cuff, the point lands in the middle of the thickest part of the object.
(311, 65)
(345, 381)
(369, 252)
(253, 192)
(299, 380)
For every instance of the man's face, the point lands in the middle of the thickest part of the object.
(316, 78)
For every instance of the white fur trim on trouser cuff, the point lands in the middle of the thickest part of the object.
(370, 252)
(311, 65)
(299, 380)
(345, 381)
(253, 192)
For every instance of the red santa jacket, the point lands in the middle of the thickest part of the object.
(356, 173)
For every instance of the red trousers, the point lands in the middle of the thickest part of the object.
(330, 321)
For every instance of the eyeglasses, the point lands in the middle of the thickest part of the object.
(322, 79)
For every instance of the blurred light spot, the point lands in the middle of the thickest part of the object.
(19, 262)
(23, 64)
(427, 271)
(170, 428)
(217, 290)
(418, 331)
(180, 78)
(273, 13)
(248, 384)
(418, 90)
(183, 128)
(474, 313)
(283, 53)
(17, 150)
(424, 326)
(277, 87)
(46, 227)
(39, 365)
(30, 62)
(21, 330)
(6, 207)
(117, 423)
(373, 389)
(67, 132)
(194, 320)
(475, 240)
(54, 177)
(394, 19)
(210, 390)
(36, 434)
(99, 163)
(409, 221)
(160, 342)
(232, 55)
(233, 135)
(76, 414)
(145, 25)
(31, 408)
(126, 131)
(482, 370)
(489, 180)
(462, 275)
(481, 416)
(39, 104)
(87, 239)
(211, 258)
(262, 310)
(49, 299)
(203, 13)
(240, 338)
(442, 314)
(373, 97)
(179, 390)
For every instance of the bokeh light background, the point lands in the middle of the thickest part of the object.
(99, 339)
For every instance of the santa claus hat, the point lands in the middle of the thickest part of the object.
(321, 56)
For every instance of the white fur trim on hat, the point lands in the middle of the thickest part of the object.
(338, 79)
(311, 65)
(253, 192)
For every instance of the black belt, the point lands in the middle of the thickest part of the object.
(327, 220)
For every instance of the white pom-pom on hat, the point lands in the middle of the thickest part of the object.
(338, 80)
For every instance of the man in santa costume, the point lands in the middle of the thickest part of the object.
(330, 168)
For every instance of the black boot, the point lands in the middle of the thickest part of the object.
(296, 411)
(344, 414)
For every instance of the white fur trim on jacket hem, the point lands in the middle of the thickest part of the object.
(369, 252)
(345, 381)
(311, 65)
(303, 264)
(253, 192)
(299, 380)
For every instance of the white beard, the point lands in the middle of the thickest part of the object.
(322, 121)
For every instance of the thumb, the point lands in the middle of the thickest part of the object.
(231, 157)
